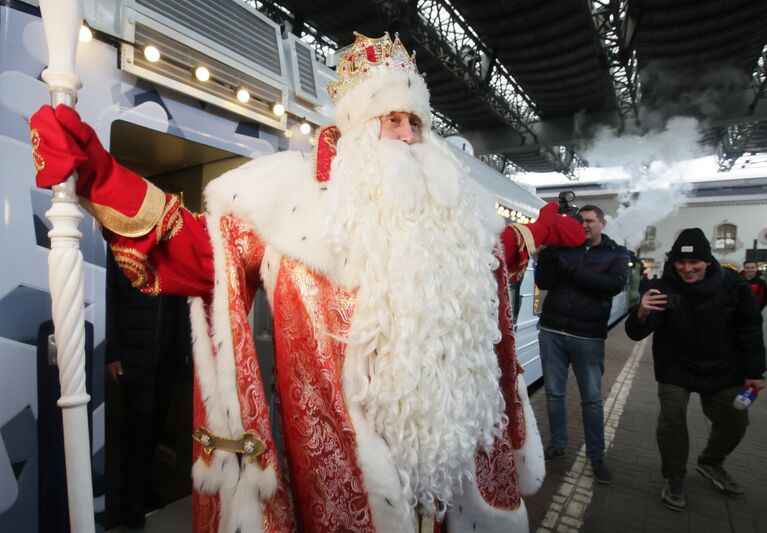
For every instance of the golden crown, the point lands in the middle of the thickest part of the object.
(366, 57)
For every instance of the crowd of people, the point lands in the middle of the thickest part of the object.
(708, 339)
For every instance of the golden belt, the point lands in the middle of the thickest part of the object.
(248, 445)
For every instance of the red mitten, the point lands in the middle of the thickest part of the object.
(551, 229)
(521, 241)
(55, 151)
(565, 231)
(542, 225)
(120, 199)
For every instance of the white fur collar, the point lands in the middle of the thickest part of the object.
(279, 196)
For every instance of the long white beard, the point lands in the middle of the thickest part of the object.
(420, 356)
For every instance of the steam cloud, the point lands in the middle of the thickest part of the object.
(658, 161)
(654, 165)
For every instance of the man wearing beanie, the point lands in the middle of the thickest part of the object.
(708, 339)
(401, 400)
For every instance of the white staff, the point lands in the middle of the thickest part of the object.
(62, 20)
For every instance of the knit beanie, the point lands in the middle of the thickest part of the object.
(691, 244)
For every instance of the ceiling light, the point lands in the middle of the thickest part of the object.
(278, 109)
(202, 73)
(305, 128)
(243, 95)
(151, 53)
(86, 35)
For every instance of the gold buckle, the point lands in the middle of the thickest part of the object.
(247, 445)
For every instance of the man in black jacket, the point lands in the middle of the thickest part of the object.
(708, 339)
(581, 282)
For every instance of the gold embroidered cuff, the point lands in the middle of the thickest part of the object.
(527, 236)
(137, 267)
(247, 445)
(141, 223)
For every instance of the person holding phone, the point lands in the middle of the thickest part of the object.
(708, 339)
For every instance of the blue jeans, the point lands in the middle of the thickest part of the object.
(587, 356)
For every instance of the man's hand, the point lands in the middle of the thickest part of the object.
(756, 384)
(114, 371)
(653, 300)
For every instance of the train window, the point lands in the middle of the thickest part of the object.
(649, 243)
(726, 237)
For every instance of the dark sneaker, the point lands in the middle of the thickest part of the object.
(673, 495)
(720, 478)
(552, 452)
(601, 472)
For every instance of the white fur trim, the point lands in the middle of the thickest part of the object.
(531, 466)
(279, 196)
(390, 512)
(240, 489)
(381, 94)
(470, 512)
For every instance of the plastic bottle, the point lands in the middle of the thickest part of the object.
(745, 398)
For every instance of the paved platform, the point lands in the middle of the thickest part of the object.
(571, 501)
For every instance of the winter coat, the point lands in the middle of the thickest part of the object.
(712, 340)
(581, 282)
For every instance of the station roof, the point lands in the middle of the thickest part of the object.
(525, 79)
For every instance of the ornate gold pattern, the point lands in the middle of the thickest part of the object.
(244, 251)
(325, 151)
(366, 57)
(138, 268)
(137, 225)
(527, 237)
(424, 524)
(525, 247)
(248, 445)
(311, 319)
(171, 220)
(36, 156)
(497, 477)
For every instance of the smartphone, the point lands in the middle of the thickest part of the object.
(672, 301)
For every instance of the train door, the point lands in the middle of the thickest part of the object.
(182, 167)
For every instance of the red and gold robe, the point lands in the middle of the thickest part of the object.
(263, 229)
